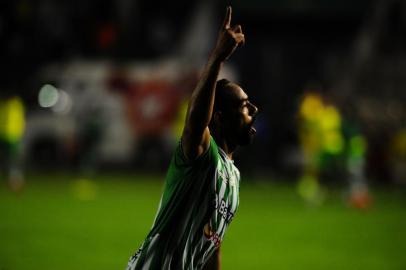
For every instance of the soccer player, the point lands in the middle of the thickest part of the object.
(12, 128)
(202, 184)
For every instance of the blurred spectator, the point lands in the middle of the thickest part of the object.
(355, 156)
(397, 151)
(12, 126)
(333, 148)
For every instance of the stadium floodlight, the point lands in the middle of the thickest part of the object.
(48, 96)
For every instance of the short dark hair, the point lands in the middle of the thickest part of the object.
(220, 97)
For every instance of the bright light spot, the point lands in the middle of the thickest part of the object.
(48, 96)
(63, 104)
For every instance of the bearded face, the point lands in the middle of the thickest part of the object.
(238, 117)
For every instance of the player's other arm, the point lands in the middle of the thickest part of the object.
(196, 135)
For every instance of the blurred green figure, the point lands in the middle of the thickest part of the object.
(12, 127)
(330, 144)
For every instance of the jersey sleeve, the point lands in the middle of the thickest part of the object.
(181, 160)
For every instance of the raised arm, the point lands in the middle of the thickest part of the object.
(196, 135)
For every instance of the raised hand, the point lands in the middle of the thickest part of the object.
(229, 38)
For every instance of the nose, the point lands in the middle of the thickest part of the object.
(253, 109)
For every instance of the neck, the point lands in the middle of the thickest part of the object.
(224, 144)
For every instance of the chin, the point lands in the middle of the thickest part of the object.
(247, 140)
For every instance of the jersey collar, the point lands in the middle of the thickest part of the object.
(224, 155)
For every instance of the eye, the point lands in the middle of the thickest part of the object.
(244, 108)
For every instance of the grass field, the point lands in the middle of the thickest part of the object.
(61, 223)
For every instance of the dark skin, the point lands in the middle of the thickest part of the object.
(232, 125)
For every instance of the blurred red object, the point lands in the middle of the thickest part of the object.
(361, 200)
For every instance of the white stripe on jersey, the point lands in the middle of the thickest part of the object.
(235, 194)
(150, 253)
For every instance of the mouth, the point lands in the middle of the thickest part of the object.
(252, 129)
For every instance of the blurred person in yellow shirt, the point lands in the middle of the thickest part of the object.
(12, 128)
(332, 144)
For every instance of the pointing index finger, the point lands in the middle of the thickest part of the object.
(227, 19)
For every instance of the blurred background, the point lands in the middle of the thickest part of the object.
(93, 96)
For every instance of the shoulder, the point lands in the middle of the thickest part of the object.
(210, 155)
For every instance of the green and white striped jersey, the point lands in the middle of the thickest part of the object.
(199, 201)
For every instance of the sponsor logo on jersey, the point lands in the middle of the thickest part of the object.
(211, 235)
(134, 258)
(224, 210)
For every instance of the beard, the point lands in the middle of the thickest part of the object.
(247, 135)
